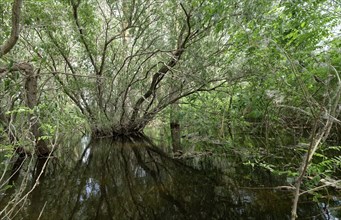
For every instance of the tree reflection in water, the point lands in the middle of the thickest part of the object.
(132, 179)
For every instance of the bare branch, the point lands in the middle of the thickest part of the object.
(81, 34)
(69, 65)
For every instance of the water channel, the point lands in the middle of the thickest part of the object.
(134, 179)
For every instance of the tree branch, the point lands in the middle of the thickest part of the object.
(158, 76)
(12, 40)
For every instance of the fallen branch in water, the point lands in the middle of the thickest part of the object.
(326, 183)
(289, 188)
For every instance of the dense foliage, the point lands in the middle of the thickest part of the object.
(232, 68)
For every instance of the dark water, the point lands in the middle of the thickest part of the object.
(121, 179)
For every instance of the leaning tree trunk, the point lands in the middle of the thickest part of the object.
(31, 88)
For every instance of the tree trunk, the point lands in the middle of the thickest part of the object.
(31, 87)
(175, 126)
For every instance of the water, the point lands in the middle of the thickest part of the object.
(106, 179)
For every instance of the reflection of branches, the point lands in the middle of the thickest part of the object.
(8, 210)
(82, 183)
(163, 191)
(104, 195)
(123, 193)
(14, 206)
(151, 147)
(15, 171)
(130, 187)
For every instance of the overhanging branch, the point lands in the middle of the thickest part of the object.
(12, 40)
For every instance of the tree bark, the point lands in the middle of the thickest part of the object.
(175, 126)
(12, 40)
(31, 87)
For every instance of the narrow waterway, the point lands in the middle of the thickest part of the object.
(133, 179)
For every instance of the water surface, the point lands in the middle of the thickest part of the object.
(133, 179)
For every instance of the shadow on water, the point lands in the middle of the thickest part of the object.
(132, 179)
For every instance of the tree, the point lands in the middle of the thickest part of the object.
(31, 88)
(115, 60)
